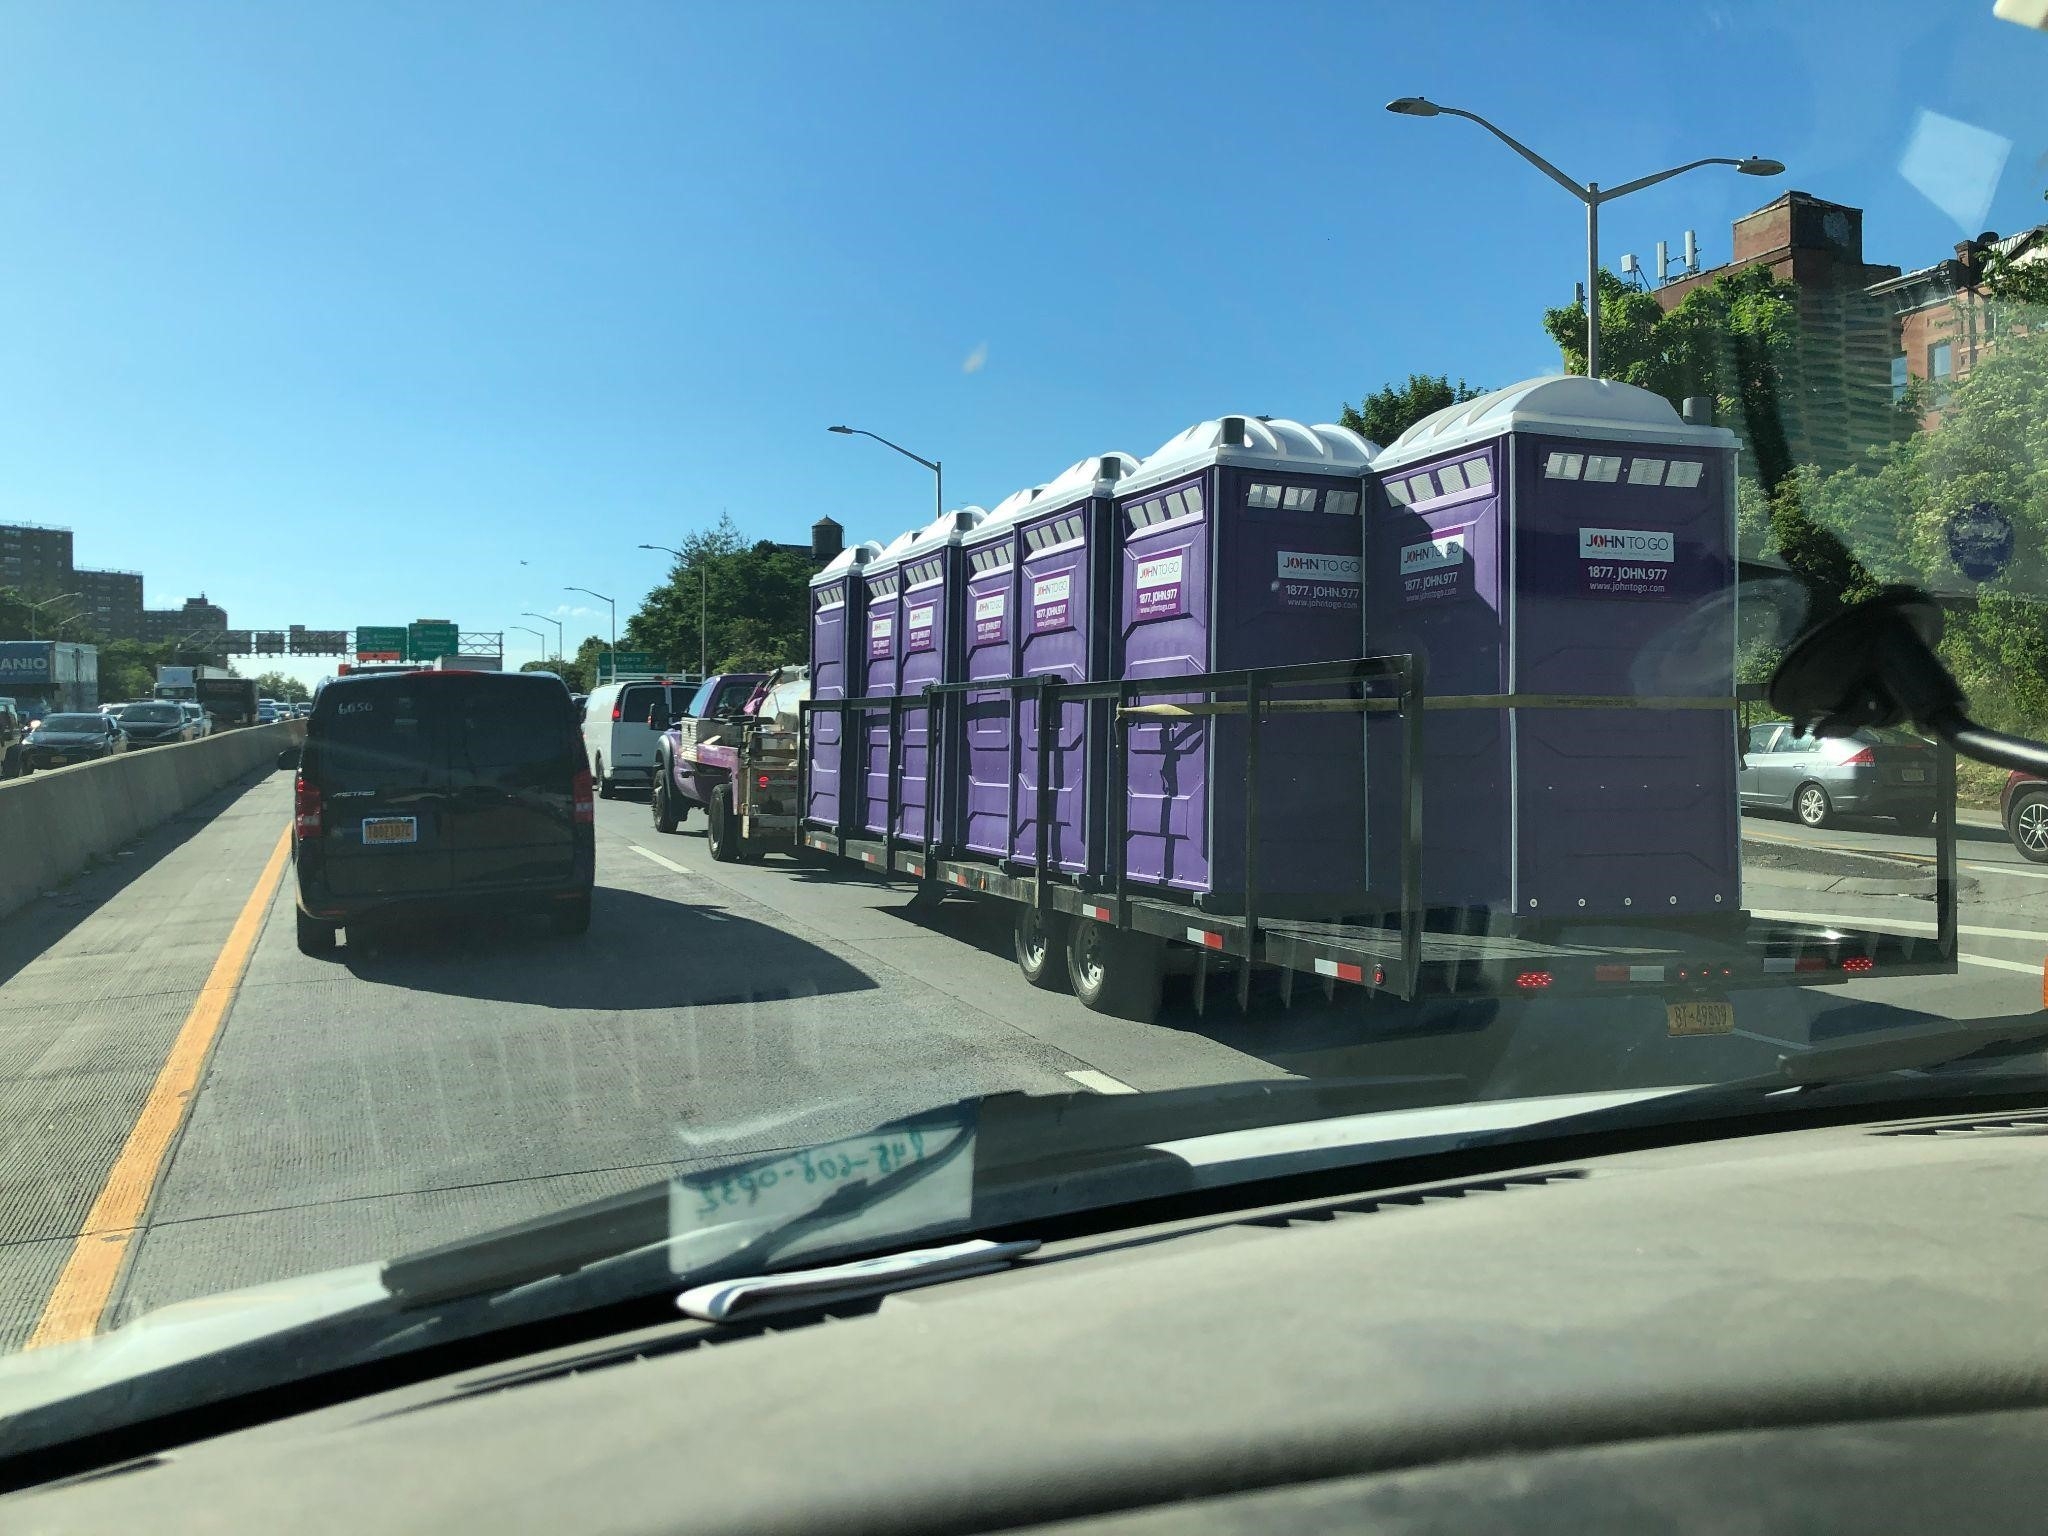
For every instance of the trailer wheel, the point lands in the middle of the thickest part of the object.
(1041, 945)
(1115, 971)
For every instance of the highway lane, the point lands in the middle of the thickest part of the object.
(422, 1083)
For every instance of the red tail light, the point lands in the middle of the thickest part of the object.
(1530, 981)
(1849, 755)
(617, 711)
(581, 795)
(761, 781)
(306, 809)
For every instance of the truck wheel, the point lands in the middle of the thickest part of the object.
(606, 789)
(723, 836)
(315, 937)
(1114, 971)
(1041, 943)
(666, 816)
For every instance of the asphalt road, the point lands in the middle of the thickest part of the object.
(421, 1084)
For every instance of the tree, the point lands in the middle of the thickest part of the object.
(1392, 409)
(277, 685)
(1734, 340)
(755, 601)
(1991, 448)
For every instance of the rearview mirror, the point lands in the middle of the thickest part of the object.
(288, 758)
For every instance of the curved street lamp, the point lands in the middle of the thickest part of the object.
(613, 654)
(938, 473)
(1591, 194)
(561, 637)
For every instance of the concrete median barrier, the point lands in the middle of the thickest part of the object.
(53, 823)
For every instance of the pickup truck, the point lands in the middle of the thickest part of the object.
(738, 761)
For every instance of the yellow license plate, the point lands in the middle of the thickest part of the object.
(391, 829)
(1699, 1018)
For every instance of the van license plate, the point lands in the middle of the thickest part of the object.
(1913, 776)
(391, 829)
(1700, 1018)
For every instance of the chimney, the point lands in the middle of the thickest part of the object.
(827, 539)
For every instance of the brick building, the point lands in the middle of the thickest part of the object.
(37, 562)
(1840, 399)
(1946, 322)
(110, 602)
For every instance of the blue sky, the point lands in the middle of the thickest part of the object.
(360, 312)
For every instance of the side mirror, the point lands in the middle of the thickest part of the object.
(288, 758)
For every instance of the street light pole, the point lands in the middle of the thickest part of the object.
(35, 610)
(1590, 194)
(703, 609)
(561, 639)
(938, 470)
(530, 630)
(615, 625)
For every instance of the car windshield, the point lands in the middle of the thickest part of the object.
(1314, 570)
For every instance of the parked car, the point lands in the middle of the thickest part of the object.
(2023, 811)
(461, 790)
(1821, 779)
(157, 723)
(71, 738)
(620, 724)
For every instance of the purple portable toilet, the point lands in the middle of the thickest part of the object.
(931, 599)
(876, 656)
(982, 814)
(838, 623)
(1240, 548)
(1066, 599)
(1563, 536)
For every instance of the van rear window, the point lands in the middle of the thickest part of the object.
(637, 700)
(407, 732)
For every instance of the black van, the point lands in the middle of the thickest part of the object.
(458, 789)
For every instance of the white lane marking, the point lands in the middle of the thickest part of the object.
(1101, 1082)
(649, 853)
(2003, 965)
(2009, 869)
(1902, 922)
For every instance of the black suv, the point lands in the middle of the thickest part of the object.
(458, 789)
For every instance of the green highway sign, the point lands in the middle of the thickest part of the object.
(430, 639)
(630, 661)
(385, 641)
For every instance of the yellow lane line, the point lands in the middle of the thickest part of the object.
(82, 1290)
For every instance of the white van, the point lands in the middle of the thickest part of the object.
(617, 734)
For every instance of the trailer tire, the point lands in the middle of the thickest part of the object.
(1115, 971)
(723, 835)
(1040, 941)
(667, 814)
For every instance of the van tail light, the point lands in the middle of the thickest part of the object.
(581, 795)
(618, 712)
(306, 809)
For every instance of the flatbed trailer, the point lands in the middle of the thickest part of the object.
(1405, 950)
